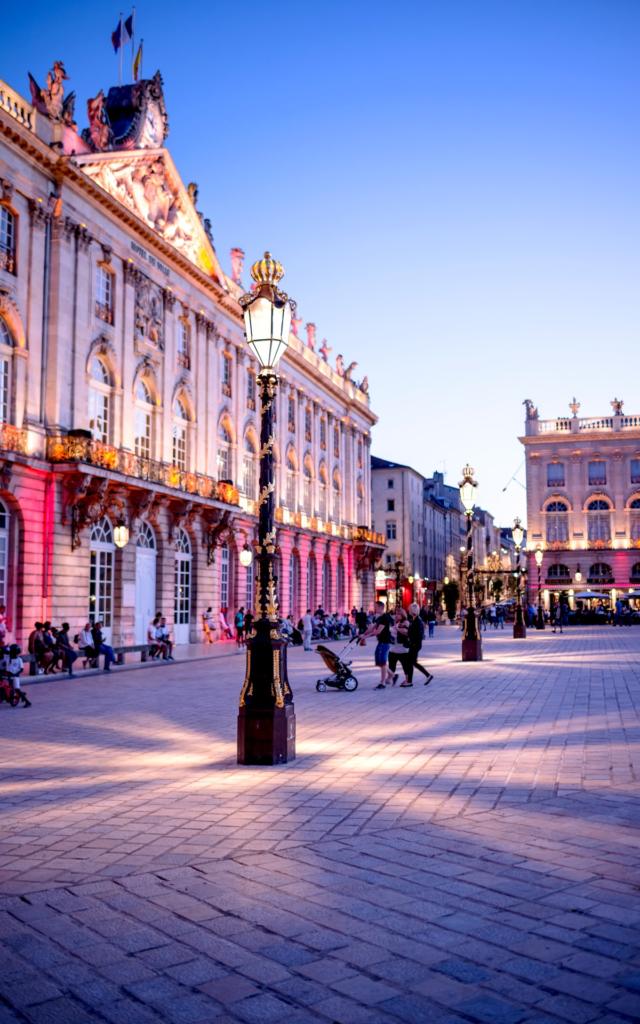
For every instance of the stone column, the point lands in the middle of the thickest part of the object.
(124, 595)
(304, 549)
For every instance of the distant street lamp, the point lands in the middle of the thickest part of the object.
(540, 615)
(578, 575)
(519, 628)
(266, 719)
(471, 640)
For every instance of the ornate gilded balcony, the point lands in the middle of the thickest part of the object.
(367, 536)
(13, 439)
(65, 448)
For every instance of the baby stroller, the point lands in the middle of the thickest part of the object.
(341, 677)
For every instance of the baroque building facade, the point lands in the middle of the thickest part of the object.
(128, 394)
(583, 502)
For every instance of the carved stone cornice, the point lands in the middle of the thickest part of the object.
(130, 272)
(38, 213)
(180, 516)
(214, 530)
(168, 298)
(6, 187)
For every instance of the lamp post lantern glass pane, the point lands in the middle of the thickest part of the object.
(517, 533)
(246, 557)
(267, 323)
(121, 535)
(467, 492)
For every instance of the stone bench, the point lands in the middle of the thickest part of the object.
(120, 653)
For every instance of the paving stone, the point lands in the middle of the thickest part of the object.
(261, 1009)
(492, 1011)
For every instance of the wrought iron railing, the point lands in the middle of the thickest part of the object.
(13, 439)
(68, 448)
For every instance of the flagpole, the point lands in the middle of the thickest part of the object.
(133, 38)
(121, 49)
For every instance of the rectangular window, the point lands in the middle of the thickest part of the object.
(4, 390)
(323, 434)
(555, 474)
(597, 474)
(179, 448)
(391, 530)
(635, 471)
(104, 294)
(391, 505)
(390, 483)
(143, 433)
(336, 442)
(227, 368)
(307, 424)
(291, 490)
(251, 390)
(224, 577)
(184, 344)
(7, 240)
(291, 415)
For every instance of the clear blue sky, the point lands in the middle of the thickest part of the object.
(452, 187)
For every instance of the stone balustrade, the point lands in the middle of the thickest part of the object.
(582, 424)
(16, 107)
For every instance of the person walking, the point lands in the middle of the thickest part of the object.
(307, 629)
(238, 622)
(209, 625)
(431, 622)
(12, 666)
(556, 618)
(415, 636)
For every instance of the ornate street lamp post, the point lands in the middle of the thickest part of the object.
(266, 719)
(519, 628)
(471, 640)
(540, 615)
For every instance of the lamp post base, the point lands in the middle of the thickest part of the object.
(266, 735)
(472, 648)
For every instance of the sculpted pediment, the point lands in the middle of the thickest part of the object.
(147, 183)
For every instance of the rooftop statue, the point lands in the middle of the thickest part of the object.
(51, 101)
(364, 385)
(311, 336)
(295, 325)
(325, 349)
(340, 364)
(532, 412)
(617, 405)
(574, 407)
(349, 370)
(98, 135)
(237, 265)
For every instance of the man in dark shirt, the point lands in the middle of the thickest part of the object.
(101, 647)
(381, 629)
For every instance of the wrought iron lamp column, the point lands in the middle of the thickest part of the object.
(540, 613)
(471, 639)
(519, 627)
(266, 718)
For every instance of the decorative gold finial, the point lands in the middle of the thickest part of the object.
(468, 472)
(267, 270)
(574, 407)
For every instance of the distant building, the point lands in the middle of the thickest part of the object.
(397, 513)
(444, 529)
(583, 501)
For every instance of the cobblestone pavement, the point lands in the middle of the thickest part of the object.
(466, 851)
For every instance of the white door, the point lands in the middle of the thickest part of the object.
(182, 588)
(145, 581)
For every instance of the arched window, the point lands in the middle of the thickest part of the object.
(4, 552)
(558, 572)
(182, 587)
(225, 440)
(307, 486)
(101, 574)
(184, 343)
(7, 240)
(341, 604)
(143, 420)
(326, 584)
(180, 447)
(100, 386)
(557, 519)
(249, 467)
(635, 572)
(322, 491)
(146, 538)
(311, 582)
(599, 521)
(6, 348)
(600, 572)
(294, 583)
(104, 293)
(335, 510)
(291, 480)
(634, 520)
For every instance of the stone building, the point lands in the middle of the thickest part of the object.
(583, 501)
(128, 395)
